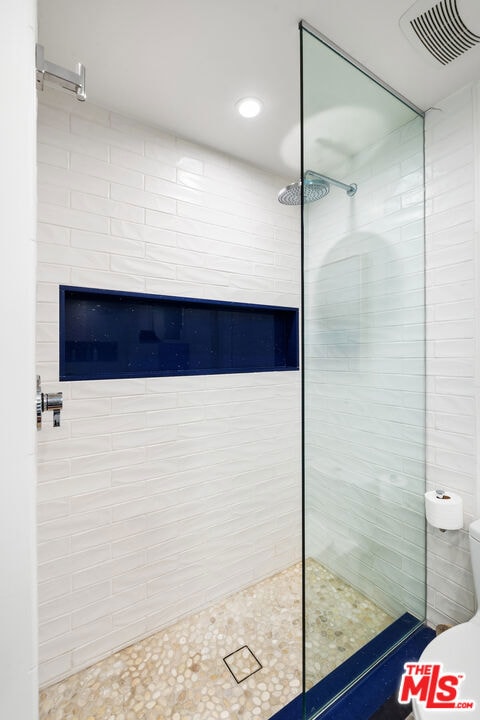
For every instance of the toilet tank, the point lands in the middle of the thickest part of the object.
(474, 533)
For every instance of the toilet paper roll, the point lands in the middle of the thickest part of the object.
(445, 513)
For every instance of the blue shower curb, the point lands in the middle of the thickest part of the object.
(368, 694)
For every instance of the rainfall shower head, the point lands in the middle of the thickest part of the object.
(312, 190)
(314, 187)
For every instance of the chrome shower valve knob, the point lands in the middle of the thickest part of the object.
(48, 401)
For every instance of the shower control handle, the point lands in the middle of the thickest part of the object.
(48, 401)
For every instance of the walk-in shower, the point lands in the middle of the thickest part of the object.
(172, 582)
(314, 186)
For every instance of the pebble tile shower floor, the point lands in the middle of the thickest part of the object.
(180, 672)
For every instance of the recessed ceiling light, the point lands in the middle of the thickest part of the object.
(249, 107)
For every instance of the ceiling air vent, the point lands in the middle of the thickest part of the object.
(442, 31)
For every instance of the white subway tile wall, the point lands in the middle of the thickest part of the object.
(452, 133)
(364, 314)
(157, 496)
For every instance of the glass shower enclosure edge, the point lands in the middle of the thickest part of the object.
(363, 370)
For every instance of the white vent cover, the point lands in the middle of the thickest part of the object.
(446, 29)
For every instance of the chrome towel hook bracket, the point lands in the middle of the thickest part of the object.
(73, 81)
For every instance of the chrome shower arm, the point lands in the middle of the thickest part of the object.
(313, 187)
(349, 189)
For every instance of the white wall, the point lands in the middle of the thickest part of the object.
(364, 314)
(18, 627)
(453, 293)
(157, 496)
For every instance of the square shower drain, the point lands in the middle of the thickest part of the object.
(242, 663)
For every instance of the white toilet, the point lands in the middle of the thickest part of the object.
(458, 649)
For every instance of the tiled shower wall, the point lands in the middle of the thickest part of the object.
(157, 496)
(453, 290)
(364, 315)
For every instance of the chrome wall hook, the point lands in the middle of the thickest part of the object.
(74, 81)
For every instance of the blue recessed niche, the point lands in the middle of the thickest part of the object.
(109, 334)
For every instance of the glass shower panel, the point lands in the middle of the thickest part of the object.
(364, 371)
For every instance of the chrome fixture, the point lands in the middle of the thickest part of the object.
(312, 190)
(48, 401)
(74, 81)
(314, 187)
